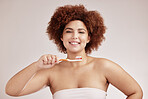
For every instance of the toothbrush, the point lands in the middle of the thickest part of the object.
(77, 58)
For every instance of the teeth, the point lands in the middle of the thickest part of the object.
(73, 43)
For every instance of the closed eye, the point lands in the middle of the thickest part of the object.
(82, 32)
(68, 31)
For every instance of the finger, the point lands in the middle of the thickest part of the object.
(57, 59)
(45, 60)
(49, 59)
(53, 59)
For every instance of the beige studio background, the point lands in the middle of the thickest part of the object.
(23, 39)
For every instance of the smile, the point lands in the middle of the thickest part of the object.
(74, 42)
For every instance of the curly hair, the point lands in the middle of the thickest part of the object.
(92, 20)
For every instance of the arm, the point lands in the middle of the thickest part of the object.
(122, 80)
(32, 78)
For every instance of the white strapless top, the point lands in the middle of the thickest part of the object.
(80, 93)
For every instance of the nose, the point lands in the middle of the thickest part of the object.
(75, 35)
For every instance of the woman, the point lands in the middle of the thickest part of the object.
(76, 31)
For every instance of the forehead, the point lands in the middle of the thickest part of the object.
(76, 24)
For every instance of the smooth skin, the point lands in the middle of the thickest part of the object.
(91, 72)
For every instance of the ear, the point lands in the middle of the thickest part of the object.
(88, 39)
(61, 39)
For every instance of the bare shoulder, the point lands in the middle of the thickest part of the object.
(51, 72)
(106, 63)
(108, 67)
(48, 71)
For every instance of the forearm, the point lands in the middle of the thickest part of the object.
(16, 84)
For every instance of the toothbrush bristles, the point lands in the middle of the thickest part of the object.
(78, 57)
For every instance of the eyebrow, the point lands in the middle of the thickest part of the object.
(82, 29)
(78, 29)
(68, 28)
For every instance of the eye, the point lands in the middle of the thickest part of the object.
(82, 32)
(68, 31)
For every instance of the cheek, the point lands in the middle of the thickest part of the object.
(65, 39)
(84, 39)
(66, 36)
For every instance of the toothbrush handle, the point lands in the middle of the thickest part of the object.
(63, 60)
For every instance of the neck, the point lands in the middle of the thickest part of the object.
(79, 63)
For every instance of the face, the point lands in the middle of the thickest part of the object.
(75, 36)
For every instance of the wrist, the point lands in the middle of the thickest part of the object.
(36, 65)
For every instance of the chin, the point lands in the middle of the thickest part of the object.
(74, 51)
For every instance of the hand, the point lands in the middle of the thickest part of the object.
(47, 61)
